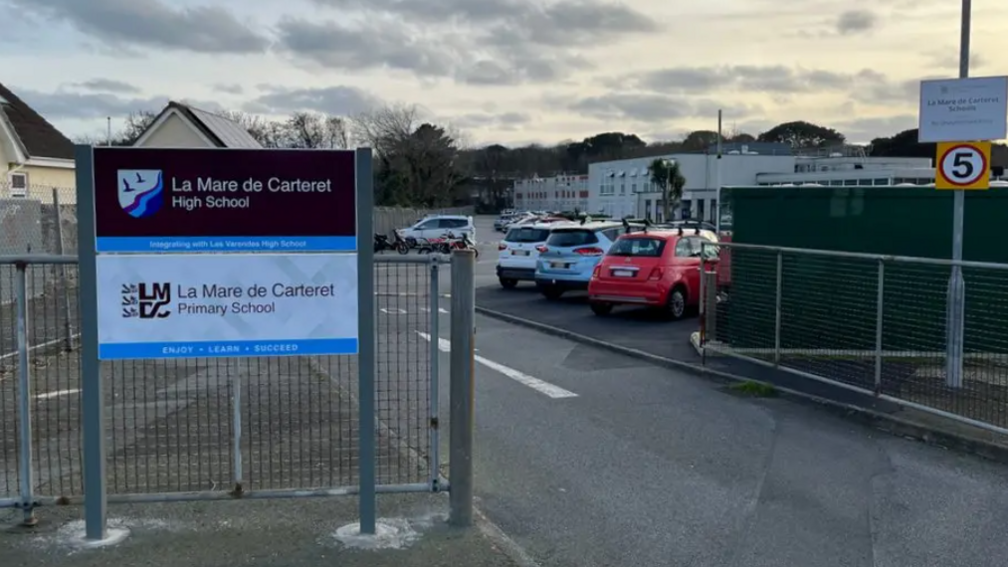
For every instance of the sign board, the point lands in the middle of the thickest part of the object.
(954, 110)
(963, 165)
(227, 305)
(224, 200)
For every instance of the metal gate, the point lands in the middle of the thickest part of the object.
(206, 429)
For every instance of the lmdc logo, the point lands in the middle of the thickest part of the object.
(141, 191)
(146, 301)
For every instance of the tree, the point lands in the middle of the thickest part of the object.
(667, 175)
(902, 144)
(312, 130)
(699, 140)
(802, 134)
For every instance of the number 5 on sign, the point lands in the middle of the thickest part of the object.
(963, 165)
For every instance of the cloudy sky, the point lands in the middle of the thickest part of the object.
(509, 71)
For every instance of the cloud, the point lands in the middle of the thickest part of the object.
(856, 21)
(152, 23)
(651, 107)
(64, 104)
(107, 86)
(863, 130)
(340, 100)
(230, 89)
(745, 78)
(484, 120)
(489, 43)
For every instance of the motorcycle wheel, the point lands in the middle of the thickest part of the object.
(402, 248)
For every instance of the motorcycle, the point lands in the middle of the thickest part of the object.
(382, 243)
(451, 242)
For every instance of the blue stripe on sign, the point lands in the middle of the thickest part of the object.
(221, 349)
(218, 244)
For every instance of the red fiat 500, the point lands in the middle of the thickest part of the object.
(659, 269)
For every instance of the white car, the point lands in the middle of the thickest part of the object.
(518, 252)
(439, 226)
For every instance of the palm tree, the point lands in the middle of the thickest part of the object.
(667, 175)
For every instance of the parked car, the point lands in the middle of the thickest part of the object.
(500, 223)
(438, 226)
(518, 252)
(569, 255)
(659, 269)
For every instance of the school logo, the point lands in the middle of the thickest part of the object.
(146, 300)
(141, 191)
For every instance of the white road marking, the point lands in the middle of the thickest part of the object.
(393, 311)
(439, 310)
(541, 386)
(56, 394)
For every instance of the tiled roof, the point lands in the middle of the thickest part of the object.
(35, 134)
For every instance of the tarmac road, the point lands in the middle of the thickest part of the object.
(641, 465)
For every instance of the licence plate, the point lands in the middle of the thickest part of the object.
(519, 252)
(561, 265)
(623, 273)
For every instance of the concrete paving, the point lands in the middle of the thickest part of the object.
(282, 533)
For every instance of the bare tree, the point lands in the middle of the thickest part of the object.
(135, 125)
(315, 130)
(382, 129)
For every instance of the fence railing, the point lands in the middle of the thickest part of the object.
(42, 219)
(197, 429)
(872, 323)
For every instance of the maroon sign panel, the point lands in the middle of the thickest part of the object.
(188, 200)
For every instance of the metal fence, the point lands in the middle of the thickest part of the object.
(43, 220)
(216, 428)
(871, 323)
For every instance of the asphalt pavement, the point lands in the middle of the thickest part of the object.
(587, 458)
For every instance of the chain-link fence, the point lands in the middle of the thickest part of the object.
(204, 428)
(875, 324)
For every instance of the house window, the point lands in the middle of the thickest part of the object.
(18, 184)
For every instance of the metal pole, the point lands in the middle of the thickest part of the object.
(92, 389)
(879, 314)
(717, 179)
(957, 285)
(367, 338)
(24, 397)
(463, 362)
(67, 321)
(777, 306)
(236, 425)
(435, 377)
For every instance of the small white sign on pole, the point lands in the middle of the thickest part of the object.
(226, 305)
(960, 110)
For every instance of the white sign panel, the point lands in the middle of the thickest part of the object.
(221, 305)
(963, 110)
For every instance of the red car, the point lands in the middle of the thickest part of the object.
(659, 269)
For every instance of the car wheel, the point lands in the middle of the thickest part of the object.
(508, 283)
(675, 307)
(551, 292)
(601, 309)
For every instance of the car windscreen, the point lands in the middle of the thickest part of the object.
(576, 237)
(640, 247)
(527, 234)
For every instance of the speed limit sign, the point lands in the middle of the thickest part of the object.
(963, 165)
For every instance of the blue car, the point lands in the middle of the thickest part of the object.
(568, 257)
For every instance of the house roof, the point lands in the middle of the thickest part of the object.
(36, 136)
(223, 132)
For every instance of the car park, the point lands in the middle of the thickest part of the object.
(439, 226)
(518, 252)
(659, 269)
(570, 254)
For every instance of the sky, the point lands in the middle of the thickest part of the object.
(502, 71)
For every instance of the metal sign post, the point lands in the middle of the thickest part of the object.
(234, 253)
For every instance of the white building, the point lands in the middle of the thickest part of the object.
(559, 193)
(624, 188)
